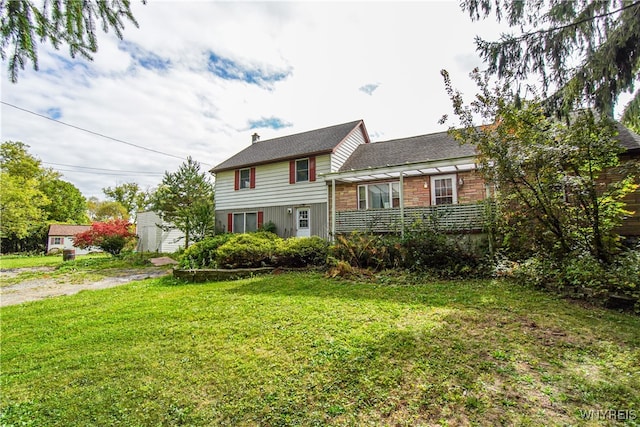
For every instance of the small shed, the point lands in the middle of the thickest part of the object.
(152, 236)
(61, 236)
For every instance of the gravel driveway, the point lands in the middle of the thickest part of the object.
(37, 289)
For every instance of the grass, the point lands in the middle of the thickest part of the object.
(18, 261)
(83, 268)
(301, 349)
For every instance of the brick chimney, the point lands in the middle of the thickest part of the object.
(255, 138)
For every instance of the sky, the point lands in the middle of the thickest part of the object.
(198, 78)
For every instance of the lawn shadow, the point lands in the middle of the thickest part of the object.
(437, 293)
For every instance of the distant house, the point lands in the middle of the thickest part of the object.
(334, 180)
(60, 237)
(152, 237)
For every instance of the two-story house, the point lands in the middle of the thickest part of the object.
(280, 181)
(334, 180)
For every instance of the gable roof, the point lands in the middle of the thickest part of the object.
(415, 149)
(629, 140)
(319, 141)
(67, 229)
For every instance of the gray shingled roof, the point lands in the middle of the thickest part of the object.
(422, 148)
(628, 139)
(302, 144)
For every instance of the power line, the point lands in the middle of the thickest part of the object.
(93, 133)
(109, 173)
(101, 169)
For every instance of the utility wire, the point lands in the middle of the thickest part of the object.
(109, 173)
(102, 169)
(92, 132)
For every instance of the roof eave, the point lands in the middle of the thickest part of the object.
(266, 162)
(450, 165)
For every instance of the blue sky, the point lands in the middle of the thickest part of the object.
(198, 78)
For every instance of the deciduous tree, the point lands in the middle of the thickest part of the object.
(111, 236)
(67, 204)
(103, 210)
(21, 206)
(547, 172)
(130, 196)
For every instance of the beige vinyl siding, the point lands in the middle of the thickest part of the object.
(346, 148)
(272, 188)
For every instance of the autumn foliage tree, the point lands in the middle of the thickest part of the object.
(111, 236)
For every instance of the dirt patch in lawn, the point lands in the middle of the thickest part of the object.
(45, 287)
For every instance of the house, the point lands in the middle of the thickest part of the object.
(281, 181)
(60, 237)
(383, 186)
(334, 180)
(152, 237)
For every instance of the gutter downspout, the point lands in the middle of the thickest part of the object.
(402, 204)
(333, 209)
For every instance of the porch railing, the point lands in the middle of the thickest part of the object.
(449, 218)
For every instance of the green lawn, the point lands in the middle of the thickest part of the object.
(300, 349)
(17, 261)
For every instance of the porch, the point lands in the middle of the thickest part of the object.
(469, 217)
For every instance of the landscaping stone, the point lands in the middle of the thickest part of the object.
(207, 275)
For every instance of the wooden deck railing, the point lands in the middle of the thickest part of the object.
(449, 218)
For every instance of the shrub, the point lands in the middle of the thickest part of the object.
(247, 250)
(269, 227)
(422, 250)
(203, 253)
(366, 250)
(581, 275)
(442, 255)
(302, 252)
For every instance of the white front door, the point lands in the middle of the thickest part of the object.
(303, 222)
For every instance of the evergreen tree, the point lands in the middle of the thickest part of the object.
(185, 199)
(584, 51)
(71, 22)
(631, 115)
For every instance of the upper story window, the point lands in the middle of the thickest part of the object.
(302, 170)
(379, 196)
(57, 240)
(245, 178)
(444, 190)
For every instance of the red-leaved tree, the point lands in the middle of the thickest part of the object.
(110, 236)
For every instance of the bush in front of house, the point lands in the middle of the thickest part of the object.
(247, 250)
(581, 275)
(443, 255)
(367, 250)
(203, 253)
(301, 252)
(257, 249)
(421, 250)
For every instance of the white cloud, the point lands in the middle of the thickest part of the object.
(155, 89)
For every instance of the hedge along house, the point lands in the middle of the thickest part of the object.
(387, 186)
(279, 181)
